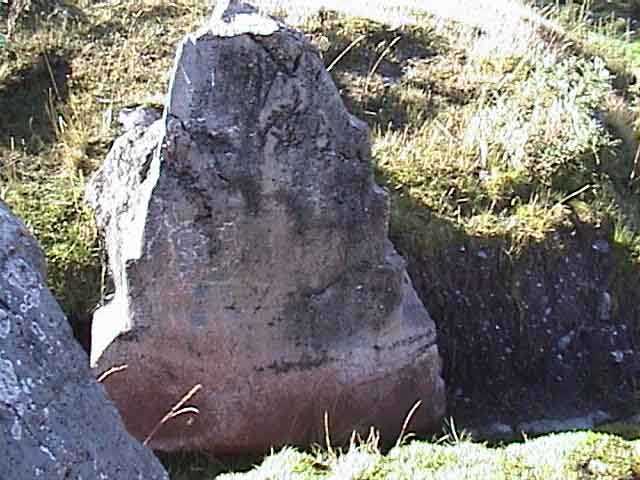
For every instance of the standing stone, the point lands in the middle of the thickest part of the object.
(55, 421)
(248, 247)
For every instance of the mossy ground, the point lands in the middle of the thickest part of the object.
(568, 456)
(478, 138)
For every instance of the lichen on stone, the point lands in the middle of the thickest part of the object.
(9, 385)
(5, 324)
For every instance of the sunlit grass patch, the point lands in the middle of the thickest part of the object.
(290, 463)
(569, 456)
(521, 148)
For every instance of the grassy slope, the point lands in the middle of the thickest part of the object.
(54, 130)
(495, 138)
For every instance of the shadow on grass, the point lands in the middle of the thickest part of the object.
(28, 100)
(39, 192)
(187, 466)
(369, 59)
(550, 330)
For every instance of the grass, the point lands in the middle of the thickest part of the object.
(493, 140)
(506, 136)
(579, 456)
(474, 138)
(61, 85)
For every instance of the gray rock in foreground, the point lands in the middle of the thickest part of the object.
(55, 421)
(248, 247)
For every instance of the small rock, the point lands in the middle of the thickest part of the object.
(541, 427)
(618, 356)
(544, 426)
(138, 117)
(599, 417)
(498, 430)
(601, 246)
(605, 307)
(565, 340)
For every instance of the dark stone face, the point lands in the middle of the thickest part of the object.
(55, 421)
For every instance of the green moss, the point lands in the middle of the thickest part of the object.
(555, 457)
(425, 461)
(289, 463)
(603, 457)
(626, 430)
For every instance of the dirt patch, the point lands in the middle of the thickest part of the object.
(27, 100)
(549, 334)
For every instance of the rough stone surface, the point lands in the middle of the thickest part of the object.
(138, 116)
(55, 421)
(544, 426)
(248, 247)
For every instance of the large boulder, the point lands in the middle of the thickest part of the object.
(249, 251)
(55, 420)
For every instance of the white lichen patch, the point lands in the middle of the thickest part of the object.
(5, 324)
(16, 430)
(241, 24)
(19, 274)
(9, 299)
(9, 385)
(31, 299)
(38, 332)
(27, 386)
(48, 453)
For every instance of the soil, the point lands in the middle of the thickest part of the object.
(552, 333)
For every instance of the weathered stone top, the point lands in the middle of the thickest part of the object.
(231, 18)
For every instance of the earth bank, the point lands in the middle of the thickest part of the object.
(598, 244)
